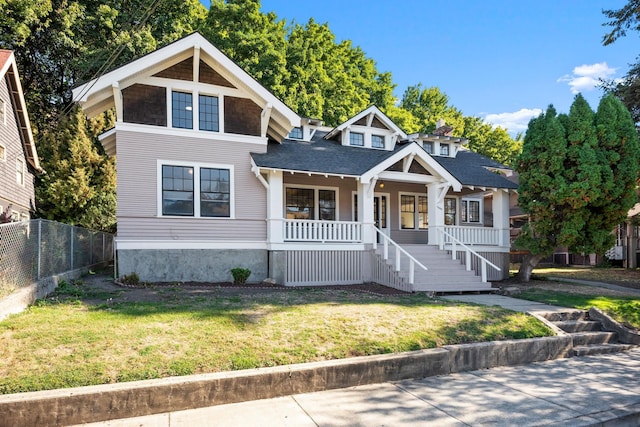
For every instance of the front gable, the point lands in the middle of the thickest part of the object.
(188, 84)
(370, 128)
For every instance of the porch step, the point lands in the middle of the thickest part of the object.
(588, 336)
(443, 275)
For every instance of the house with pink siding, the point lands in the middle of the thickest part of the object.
(214, 172)
(18, 157)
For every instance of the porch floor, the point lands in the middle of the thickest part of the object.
(443, 274)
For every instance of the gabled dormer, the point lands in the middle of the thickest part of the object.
(369, 129)
(307, 129)
(441, 141)
(188, 88)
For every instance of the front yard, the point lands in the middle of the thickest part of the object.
(94, 332)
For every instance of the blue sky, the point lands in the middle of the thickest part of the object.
(501, 60)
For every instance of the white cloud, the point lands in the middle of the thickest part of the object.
(514, 122)
(587, 77)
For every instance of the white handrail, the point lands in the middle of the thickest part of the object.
(412, 260)
(468, 252)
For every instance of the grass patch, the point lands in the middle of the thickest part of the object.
(625, 310)
(597, 274)
(83, 336)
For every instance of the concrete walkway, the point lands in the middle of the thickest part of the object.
(582, 391)
(510, 303)
(630, 291)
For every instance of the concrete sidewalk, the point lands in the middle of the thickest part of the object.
(510, 303)
(582, 391)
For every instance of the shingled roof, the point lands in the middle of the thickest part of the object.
(330, 157)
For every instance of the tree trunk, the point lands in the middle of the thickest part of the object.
(528, 264)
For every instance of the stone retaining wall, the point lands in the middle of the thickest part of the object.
(134, 399)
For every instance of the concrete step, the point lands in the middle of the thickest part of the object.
(594, 337)
(572, 326)
(553, 316)
(589, 350)
(452, 287)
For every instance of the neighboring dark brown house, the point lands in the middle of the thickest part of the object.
(18, 157)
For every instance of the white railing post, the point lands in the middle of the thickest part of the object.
(397, 260)
(411, 272)
(453, 249)
(386, 248)
(467, 260)
(484, 271)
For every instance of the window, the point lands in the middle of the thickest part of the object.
(196, 190)
(410, 213)
(311, 203)
(300, 203)
(208, 113)
(177, 190)
(470, 211)
(19, 172)
(428, 147)
(215, 192)
(296, 133)
(449, 211)
(181, 110)
(423, 217)
(356, 139)
(407, 212)
(377, 141)
(444, 149)
(327, 204)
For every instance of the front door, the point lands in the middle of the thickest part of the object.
(381, 212)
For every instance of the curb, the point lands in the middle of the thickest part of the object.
(134, 399)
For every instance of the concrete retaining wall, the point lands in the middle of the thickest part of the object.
(18, 301)
(127, 400)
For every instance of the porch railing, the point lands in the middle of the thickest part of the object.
(303, 230)
(386, 241)
(445, 236)
(475, 235)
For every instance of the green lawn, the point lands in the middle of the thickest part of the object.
(625, 310)
(84, 336)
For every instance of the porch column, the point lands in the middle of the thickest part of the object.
(500, 207)
(365, 210)
(275, 206)
(435, 211)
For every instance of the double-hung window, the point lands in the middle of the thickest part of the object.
(413, 210)
(377, 141)
(196, 190)
(444, 149)
(356, 139)
(310, 203)
(470, 211)
(450, 211)
(208, 113)
(296, 133)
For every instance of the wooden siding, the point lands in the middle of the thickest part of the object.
(181, 71)
(241, 116)
(137, 169)
(376, 123)
(21, 197)
(384, 273)
(325, 267)
(211, 76)
(145, 105)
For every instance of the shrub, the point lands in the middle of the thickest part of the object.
(240, 275)
(130, 279)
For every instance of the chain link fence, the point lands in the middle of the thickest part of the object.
(33, 250)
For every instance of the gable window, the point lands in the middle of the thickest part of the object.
(19, 172)
(208, 113)
(181, 110)
(428, 147)
(215, 192)
(470, 211)
(444, 149)
(413, 210)
(449, 211)
(196, 190)
(296, 133)
(356, 139)
(377, 141)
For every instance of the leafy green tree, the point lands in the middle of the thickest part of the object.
(429, 105)
(623, 19)
(574, 183)
(79, 186)
(494, 143)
